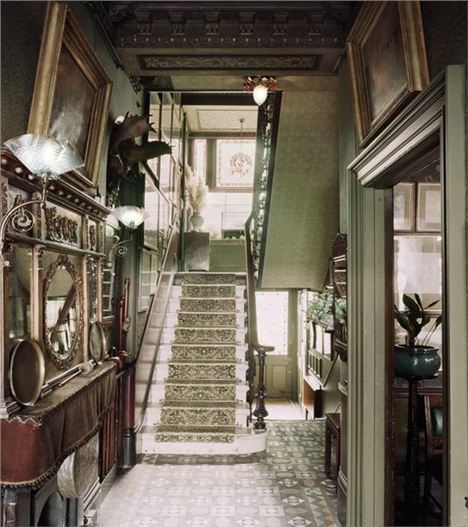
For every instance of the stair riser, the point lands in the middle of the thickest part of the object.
(210, 291)
(167, 352)
(206, 305)
(195, 372)
(244, 444)
(204, 291)
(208, 320)
(158, 393)
(211, 278)
(194, 335)
(153, 417)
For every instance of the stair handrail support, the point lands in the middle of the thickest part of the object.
(253, 344)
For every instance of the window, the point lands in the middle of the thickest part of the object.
(272, 320)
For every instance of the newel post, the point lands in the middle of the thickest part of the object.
(260, 410)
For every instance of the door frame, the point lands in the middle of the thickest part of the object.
(437, 115)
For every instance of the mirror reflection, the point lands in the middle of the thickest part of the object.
(62, 310)
(92, 289)
(19, 297)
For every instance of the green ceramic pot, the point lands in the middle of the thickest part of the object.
(416, 363)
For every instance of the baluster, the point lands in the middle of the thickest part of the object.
(260, 410)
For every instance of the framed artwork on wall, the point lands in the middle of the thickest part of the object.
(388, 61)
(404, 207)
(429, 208)
(71, 92)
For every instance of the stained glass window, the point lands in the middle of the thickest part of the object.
(235, 163)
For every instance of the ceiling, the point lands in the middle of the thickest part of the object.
(206, 119)
(213, 45)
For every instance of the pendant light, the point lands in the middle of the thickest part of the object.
(260, 86)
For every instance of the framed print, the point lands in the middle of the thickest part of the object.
(429, 208)
(235, 164)
(403, 207)
(387, 60)
(71, 92)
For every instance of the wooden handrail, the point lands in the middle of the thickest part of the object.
(254, 345)
(169, 267)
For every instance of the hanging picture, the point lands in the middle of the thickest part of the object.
(403, 207)
(387, 60)
(235, 164)
(429, 207)
(71, 93)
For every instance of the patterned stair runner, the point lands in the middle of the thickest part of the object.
(200, 402)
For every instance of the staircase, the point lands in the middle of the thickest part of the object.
(197, 403)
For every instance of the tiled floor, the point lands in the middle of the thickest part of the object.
(283, 409)
(283, 487)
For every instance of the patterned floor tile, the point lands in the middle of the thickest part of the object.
(284, 487)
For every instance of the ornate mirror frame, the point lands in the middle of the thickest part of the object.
(63, 262)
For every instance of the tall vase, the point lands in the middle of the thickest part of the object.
(197, 221)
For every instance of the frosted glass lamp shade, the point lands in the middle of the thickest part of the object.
(129, 216)
(260, 94)
(43, 156)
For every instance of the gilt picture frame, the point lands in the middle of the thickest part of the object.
(71, 92)
(388, 63)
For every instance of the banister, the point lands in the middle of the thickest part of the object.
(159, 302)
(260, 411)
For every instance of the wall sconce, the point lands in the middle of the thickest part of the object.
(46, 159)
(131, 217)
(260, 86)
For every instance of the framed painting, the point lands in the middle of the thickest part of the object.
(429, 217)
(387, 60)
(71, 92)
(404, 207)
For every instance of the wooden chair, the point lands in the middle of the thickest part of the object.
(433, 413)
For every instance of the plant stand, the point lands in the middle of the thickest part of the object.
(412, 475)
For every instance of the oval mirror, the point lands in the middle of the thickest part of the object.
(97, 342)
(63, 311)
(27, 371)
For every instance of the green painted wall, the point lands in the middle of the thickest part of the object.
(21, 31)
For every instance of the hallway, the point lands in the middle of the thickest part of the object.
(285, 486)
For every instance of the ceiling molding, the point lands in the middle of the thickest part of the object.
(229, 62)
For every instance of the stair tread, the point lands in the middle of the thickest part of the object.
(198, 404)
(207, 344)
(220, 429)
(211, 362)
(209, 382)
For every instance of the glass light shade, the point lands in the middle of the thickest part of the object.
(43, 156)
(129, 216)
(260, 94)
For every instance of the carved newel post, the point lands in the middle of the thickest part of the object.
(260, 410)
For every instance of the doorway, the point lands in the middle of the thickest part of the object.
(434, 120)
(417, 382)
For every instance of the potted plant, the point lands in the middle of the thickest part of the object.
(320, 311)
(415, 359)
(320, 318)
(197, 191)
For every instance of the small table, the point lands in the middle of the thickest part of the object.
(332, 431)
